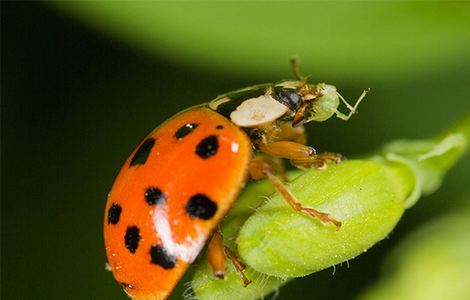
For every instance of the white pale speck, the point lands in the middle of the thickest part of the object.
(186, 251)
(257, 111)
(235, 147)
(107, 267)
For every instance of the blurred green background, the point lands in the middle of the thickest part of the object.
(83, 82)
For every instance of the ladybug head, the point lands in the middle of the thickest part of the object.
(315, 102)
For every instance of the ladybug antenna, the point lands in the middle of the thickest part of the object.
(294, 62)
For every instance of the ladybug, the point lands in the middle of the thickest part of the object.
(183, 178)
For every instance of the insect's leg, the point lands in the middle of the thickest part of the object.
(276, 164)
(217, 252)
(216, 255)
(288, 150)
(260, 169)
(318, 161)
(286, 132)
(300, 155)
(352, 109)
(282, 139)
(238, 265)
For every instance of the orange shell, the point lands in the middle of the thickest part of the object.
(152, 230)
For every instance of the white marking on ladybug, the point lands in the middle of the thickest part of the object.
(235, 146)
(188, 250)
(258, 111)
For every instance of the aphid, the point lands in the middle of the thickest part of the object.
(182, 179)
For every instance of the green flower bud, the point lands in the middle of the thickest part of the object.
(367, 196)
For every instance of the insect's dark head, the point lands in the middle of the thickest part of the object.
(308, 102)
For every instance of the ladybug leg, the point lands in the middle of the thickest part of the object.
(239, 266)
(216, 256)
(286, 132)
(285, 141)
(300, 155)
(319, 161)
(217, 252)
(276, 164)
(260, 169)
(287, 149)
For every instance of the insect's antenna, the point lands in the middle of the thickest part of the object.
(352, 109)
(294, 62)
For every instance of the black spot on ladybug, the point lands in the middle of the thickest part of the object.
(162, 258)
(185, 130)
(219, 127)
(200, 206)
(114, 213)
(154, 196)
(132, 238)
(141, 155)
(207, 147)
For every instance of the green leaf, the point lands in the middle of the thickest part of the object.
(429, 159)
